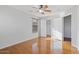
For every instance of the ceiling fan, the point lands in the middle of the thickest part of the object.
(44, 9)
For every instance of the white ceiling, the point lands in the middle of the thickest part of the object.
(55, 8)
(62, 8)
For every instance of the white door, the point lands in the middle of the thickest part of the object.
(48, 27)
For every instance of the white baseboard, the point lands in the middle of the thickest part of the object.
(12, 44)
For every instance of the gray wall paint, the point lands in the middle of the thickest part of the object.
(67, 26)
(57, 28)
(57, 32)
(74, 26)
(15, 26)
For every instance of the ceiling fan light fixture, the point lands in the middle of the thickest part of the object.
(44, 8)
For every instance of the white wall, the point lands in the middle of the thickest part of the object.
(78, 27)
(57, 32)
(76, 35)
(57, 28)
(67, 26)
(74, 26)
(15, 26)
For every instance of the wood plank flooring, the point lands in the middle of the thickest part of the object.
(39, 46)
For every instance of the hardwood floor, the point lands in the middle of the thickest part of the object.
(39, 46)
